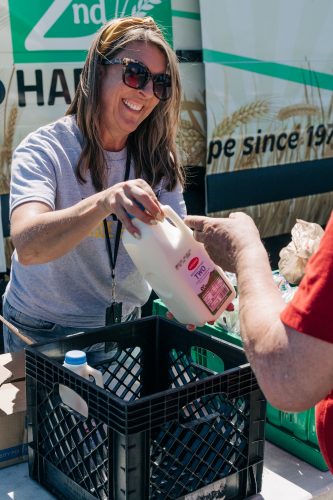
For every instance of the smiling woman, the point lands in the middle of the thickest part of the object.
(128, 93)
(77, 181)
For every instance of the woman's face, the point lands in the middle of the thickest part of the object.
(124, 108)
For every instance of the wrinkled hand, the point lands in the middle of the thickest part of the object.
(225, 239)
(124, 200)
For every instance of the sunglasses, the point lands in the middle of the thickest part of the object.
(136, 75)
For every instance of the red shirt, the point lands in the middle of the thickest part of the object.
(311, 312)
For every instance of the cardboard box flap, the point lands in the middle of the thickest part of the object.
(13, 447)
(12, 367)
(12, 398)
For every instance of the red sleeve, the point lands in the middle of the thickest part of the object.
(324, 428)
(311, 312)
(311, 309)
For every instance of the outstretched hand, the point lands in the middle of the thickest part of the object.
(225, 239)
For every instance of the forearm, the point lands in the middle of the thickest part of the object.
(260, 299)
(278, 355)
(50, 235)
(41, 235)
(264, 336)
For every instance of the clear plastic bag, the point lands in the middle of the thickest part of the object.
(287, 291)
(305, 240)
(229, 319)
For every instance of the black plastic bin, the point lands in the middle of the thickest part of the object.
(163, 427)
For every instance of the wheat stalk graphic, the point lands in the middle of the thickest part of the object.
(6, 151)
(279, 217)
(243, 115)
(143, 7)
(302, 109)
(191, 137)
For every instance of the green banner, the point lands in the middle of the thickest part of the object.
(62, 30)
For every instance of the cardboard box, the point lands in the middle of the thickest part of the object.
(13, 436)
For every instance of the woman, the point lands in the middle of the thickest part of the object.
(77, 180)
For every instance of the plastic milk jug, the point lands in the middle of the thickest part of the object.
(179, 269)
(77, 362)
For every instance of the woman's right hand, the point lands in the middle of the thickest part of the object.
(125, 200)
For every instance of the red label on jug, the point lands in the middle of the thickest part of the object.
(193, 263)
(204, 279)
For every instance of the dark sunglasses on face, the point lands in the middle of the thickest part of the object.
(136, 75)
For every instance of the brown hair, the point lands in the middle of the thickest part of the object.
(153, 143)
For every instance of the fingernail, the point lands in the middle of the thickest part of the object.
(137, 236)
(153, 222)
(160, 217)
(190, 328)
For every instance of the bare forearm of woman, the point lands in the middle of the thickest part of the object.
(41, 235)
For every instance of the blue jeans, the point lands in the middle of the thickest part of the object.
(39, 330)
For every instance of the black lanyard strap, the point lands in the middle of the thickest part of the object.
(113, 258)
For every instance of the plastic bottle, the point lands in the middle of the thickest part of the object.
(179, 269)
(77, 362)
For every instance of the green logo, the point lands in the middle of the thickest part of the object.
(62, 30)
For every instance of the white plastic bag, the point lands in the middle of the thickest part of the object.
(294, 257)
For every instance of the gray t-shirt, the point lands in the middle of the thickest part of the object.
(73, 290)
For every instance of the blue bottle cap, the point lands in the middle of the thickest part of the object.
(75, 357)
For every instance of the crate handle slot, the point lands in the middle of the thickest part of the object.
(207, 359)
(207, 420)
(196, 412)
(73, 401)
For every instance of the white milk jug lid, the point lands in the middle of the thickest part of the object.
(75, 357)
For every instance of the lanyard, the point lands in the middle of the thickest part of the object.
(113, 257)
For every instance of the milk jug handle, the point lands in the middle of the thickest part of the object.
(178, 221)
(96, 374)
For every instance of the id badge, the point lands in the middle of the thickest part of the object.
(113, 313)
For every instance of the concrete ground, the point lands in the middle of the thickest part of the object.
(285, 477)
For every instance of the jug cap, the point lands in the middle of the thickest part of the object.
(75, 357)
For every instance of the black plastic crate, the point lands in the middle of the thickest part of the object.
(163, 427)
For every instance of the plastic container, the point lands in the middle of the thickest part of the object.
(163, 427)
(180, 270)
(76, 361)
(296, 433)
